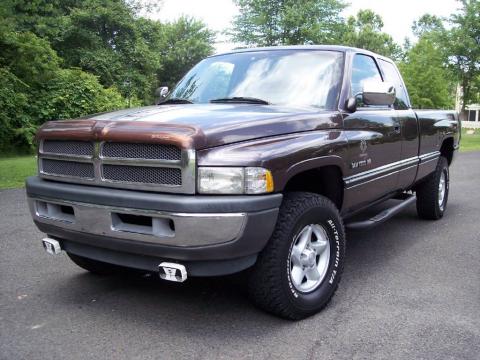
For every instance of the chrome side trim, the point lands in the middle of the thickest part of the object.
(388, 169)
(429, 156)
(381, 170)
(382, 176)
(190, 229)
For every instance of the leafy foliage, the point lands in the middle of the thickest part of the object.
(287, 22)
(426, 77)
(186, 42)
(73, 93)
(15, 127)
(62, 59)
(463, 46)
(365, 31)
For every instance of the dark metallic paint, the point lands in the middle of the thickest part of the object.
(286, 140)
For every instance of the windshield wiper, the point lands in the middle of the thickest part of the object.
(241, 99)
(175, 101)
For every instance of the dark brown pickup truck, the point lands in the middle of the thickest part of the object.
(256, 160)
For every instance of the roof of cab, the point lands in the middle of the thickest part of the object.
(303, 47)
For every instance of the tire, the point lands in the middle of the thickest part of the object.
(95, 266)
(272, 284)
(431, 205)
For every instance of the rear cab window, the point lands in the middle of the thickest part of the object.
(391, 75)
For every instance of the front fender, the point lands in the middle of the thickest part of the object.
(286, 156)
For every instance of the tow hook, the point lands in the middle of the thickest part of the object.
(51, 246)
(172, 272)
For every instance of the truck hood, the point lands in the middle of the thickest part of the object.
(195, 126)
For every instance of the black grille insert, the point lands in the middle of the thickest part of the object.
(143, 174)
(82, 148)
(68, 168)
(141, 151)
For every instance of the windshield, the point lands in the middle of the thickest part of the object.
(280, 77)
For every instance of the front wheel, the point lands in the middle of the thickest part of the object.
(432, 194)
(299, 270)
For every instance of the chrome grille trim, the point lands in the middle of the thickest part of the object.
(186, 167)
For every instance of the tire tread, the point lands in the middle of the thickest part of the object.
(264, 284)
(427, 194)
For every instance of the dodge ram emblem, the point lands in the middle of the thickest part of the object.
(363, 146)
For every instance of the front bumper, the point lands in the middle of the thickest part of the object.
(211, 235)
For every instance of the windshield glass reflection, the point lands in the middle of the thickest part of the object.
(298, 78)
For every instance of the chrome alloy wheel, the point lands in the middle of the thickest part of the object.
(309, 258)
(442, 189)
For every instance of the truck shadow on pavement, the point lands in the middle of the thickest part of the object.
(205, 302)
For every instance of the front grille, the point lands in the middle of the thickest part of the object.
(150, 167)
(141, 151)
(143, 174)
(68, 168)
(81, 148)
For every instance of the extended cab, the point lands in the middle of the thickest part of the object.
(256, 160)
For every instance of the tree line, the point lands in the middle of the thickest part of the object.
(446, 52)
(62, 59)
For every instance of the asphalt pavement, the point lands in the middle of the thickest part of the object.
(410, 290)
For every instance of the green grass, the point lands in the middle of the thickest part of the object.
(470, 142)
(14, 170)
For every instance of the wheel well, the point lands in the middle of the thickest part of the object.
(447, 149)
(326, 181)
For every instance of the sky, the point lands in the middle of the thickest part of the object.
(397, 15)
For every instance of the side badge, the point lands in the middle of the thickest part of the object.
(363, 155)
(363, 146)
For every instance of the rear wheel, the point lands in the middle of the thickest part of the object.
(299, 270)
(95, 266)
(432, 194)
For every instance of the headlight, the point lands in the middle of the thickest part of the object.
(234, 180)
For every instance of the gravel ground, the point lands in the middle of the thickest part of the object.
(410, 290)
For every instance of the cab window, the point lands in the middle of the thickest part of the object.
(391, 75)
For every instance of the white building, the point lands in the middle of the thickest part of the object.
(473, 112)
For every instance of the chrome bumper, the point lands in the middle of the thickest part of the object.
(148, 226)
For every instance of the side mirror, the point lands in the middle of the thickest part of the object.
(378, 93)
(160, 94)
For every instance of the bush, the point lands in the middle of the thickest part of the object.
(74, 93)
(70, 93)
(16, 130)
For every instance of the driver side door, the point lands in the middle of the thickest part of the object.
(374, 137)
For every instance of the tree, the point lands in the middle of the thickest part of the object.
(74, 93)
(427, 80)
(365, 31)
(287, 22)
(463, 42)
(424, 66)
(67, 58)
(428, 24)
(102, 38)
(109, 39)
(186, 42)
